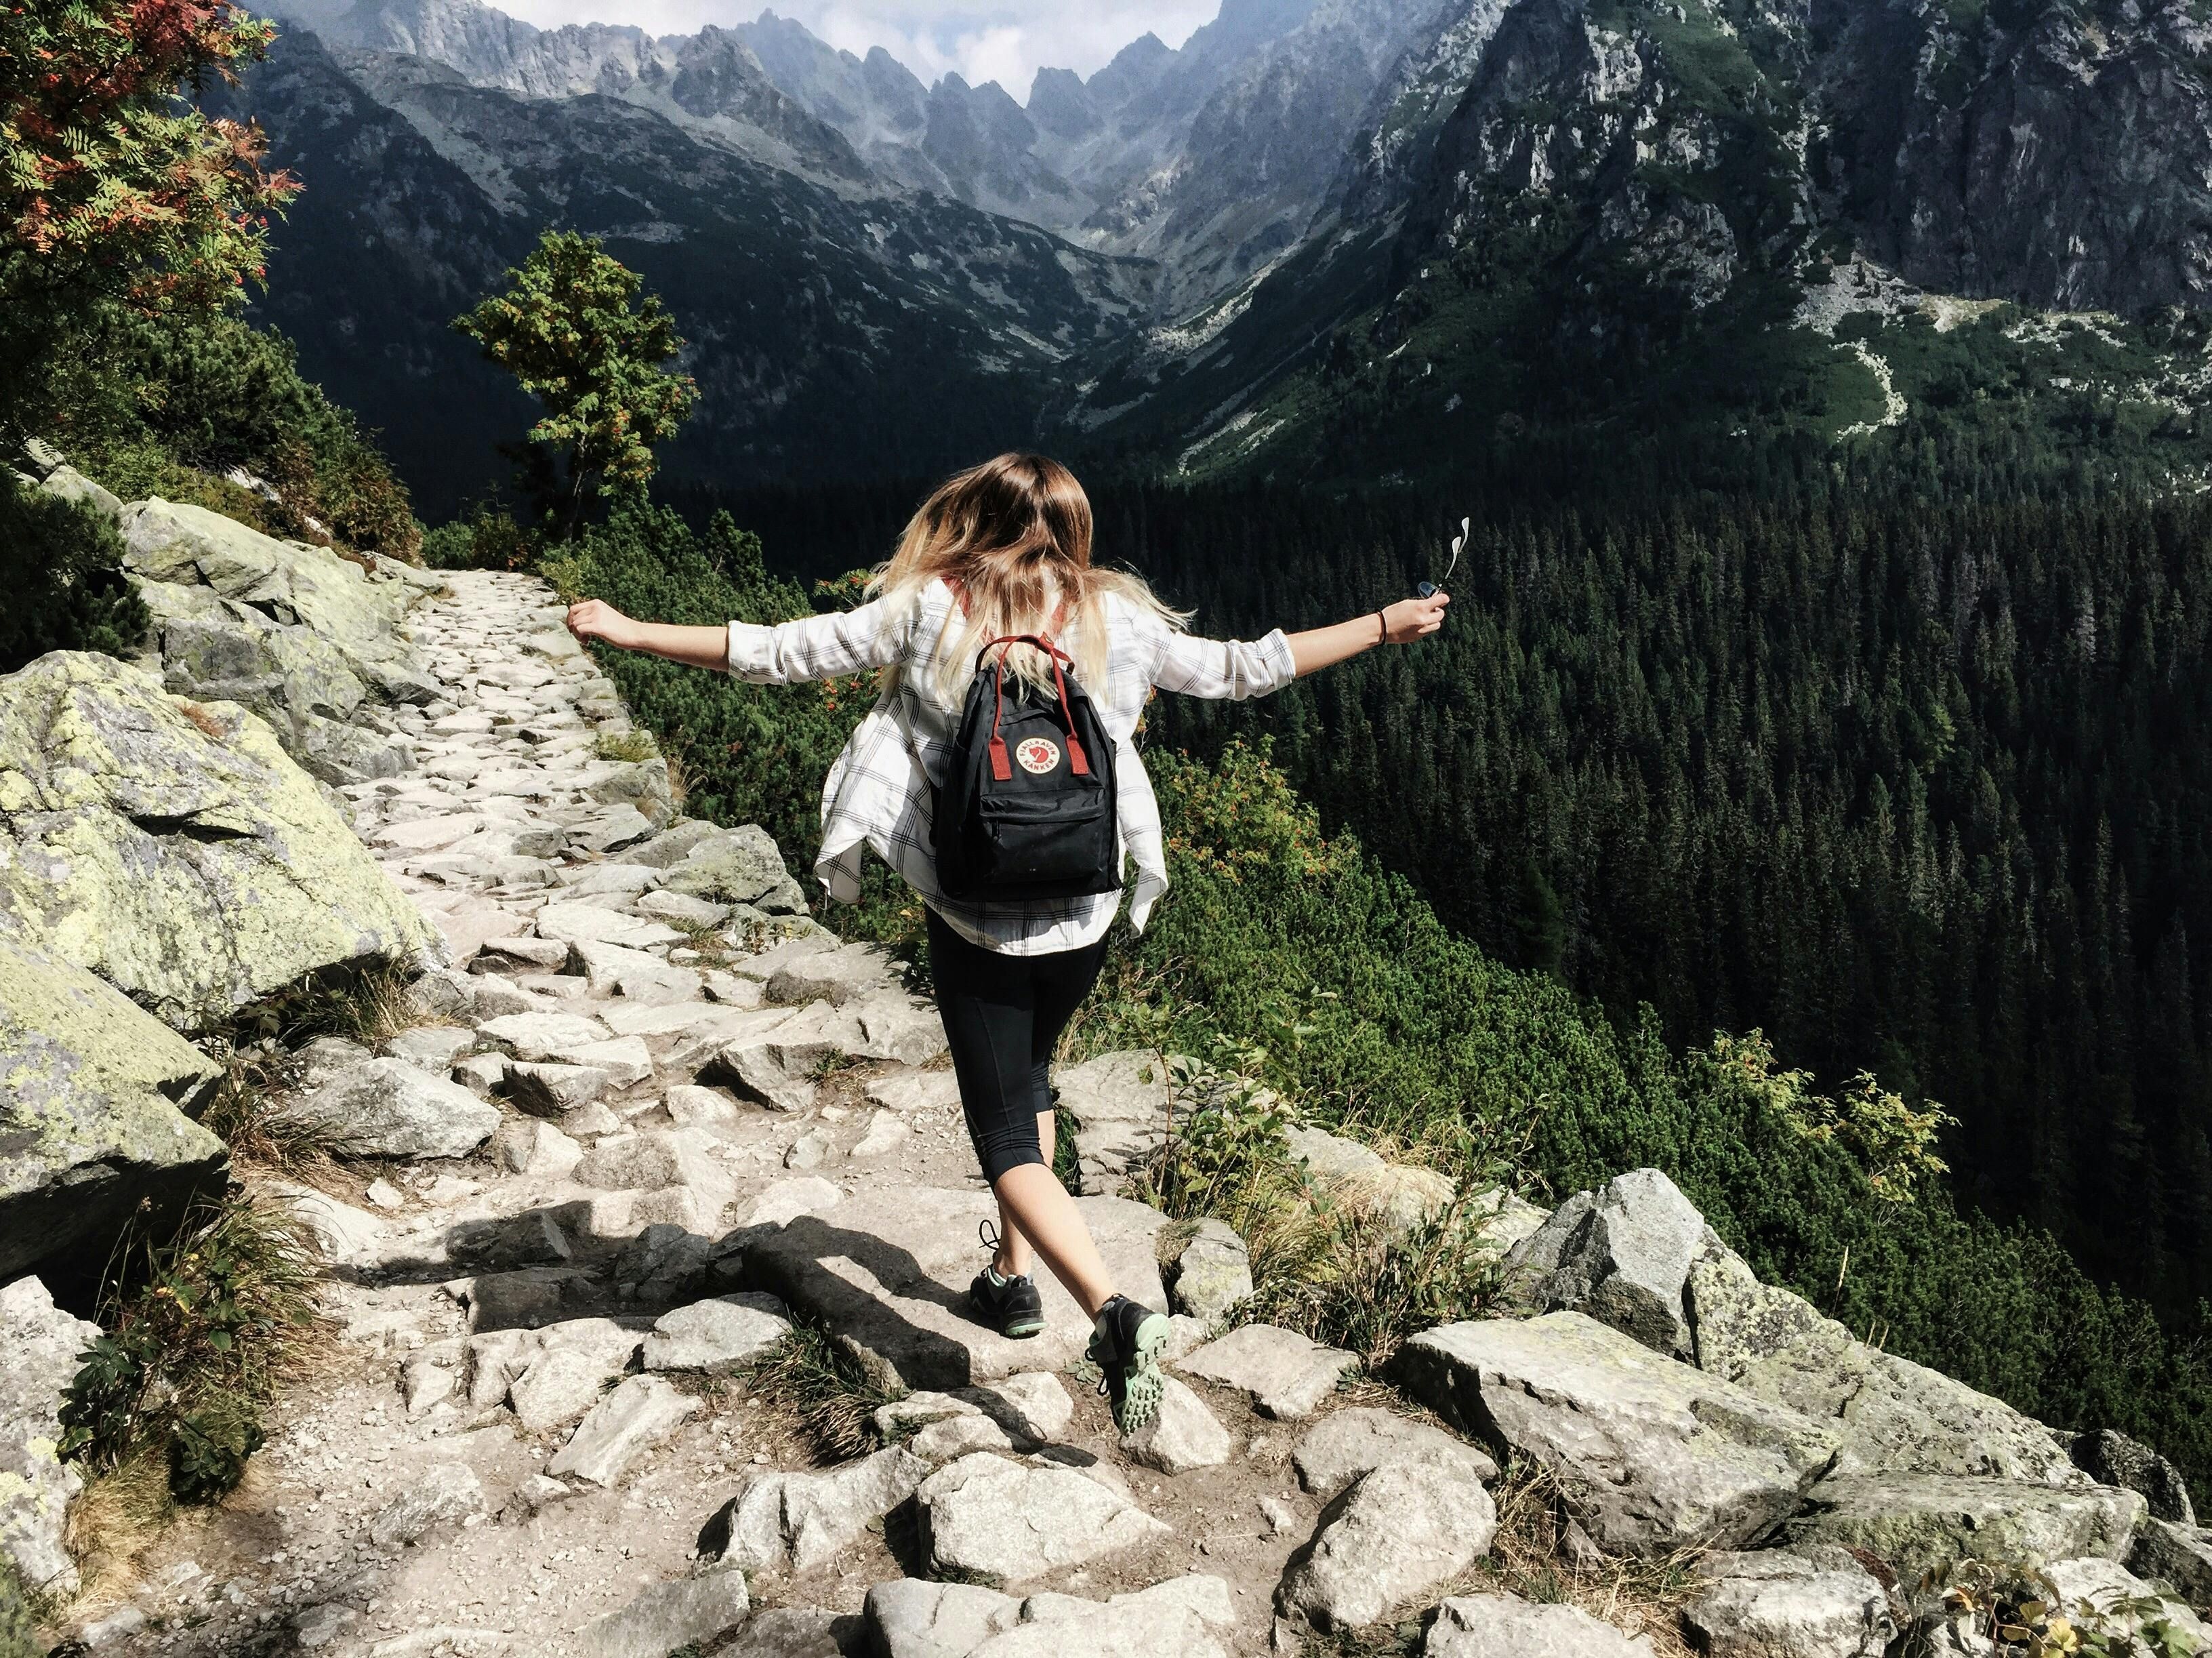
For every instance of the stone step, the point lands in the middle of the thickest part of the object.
(888, 1271)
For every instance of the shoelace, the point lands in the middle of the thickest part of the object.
(989, 1235)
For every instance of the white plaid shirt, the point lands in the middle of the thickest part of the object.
(879, 792)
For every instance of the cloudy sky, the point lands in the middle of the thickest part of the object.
(1002, 40)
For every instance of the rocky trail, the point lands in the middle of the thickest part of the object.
(648, 1126)
(638, 1128)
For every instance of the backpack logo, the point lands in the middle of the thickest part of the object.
(1037, 755)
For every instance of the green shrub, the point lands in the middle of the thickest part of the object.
(167, 405)
(61, 568)
(200, 1327)
(487, 539)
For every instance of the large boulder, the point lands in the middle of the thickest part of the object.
(1921, 1525)
(1636, 1255)
(45, 1347)
(174, 849)
(291, 585)
(90, 1088)
(1895, 1417)
(1620, 1254)
(2178, 1554)
(2111, 1458)
(1651, 1456)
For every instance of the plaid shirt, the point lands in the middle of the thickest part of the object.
(880, 792)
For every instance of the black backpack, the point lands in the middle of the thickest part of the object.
(1026, 809)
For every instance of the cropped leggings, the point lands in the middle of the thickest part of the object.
(1003, 1014)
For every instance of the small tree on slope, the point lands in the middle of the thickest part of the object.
(572, 328)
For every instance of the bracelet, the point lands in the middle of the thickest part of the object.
(1382, 627)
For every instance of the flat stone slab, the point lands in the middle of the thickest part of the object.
(909, 1091)
(888, 1271)
(621, 1427)
(1775, 1602)
(1651, 1455)
(991, 1519)
(913, 1617)
(1287, 1375)
(1346, 1445)
(540, 1035)
(690, 1611)
(716, 1335)
(1506, 1626)
(1923, 1523)
(591, 923)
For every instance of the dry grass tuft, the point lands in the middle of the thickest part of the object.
(211, 727)
(1531, 1557)
(247, 1115)
(826, 1388)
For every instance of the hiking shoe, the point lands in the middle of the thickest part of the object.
(1126, 1347)
(1009, 1306)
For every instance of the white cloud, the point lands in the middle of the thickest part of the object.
(1002, 40)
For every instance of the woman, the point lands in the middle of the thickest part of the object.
(1003, 549)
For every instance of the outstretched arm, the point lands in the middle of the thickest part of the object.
(1397, 625)
(695, 647)
(819, 647)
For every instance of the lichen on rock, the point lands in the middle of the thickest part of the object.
(173, 849)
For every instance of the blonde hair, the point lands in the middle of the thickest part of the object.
(1013, 539)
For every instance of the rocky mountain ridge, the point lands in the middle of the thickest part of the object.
(1374, 228)
(640, 1122)
(1573, 209)
(1211, 158)
(805, 308)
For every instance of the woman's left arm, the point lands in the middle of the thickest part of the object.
(1394, 624)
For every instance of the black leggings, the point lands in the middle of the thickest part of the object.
(1003, 1014)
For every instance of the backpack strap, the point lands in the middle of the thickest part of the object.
(1001, 769)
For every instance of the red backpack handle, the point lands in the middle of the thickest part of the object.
(1001, 768)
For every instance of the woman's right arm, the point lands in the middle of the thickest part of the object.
(822, 647)
(695, 647)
